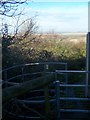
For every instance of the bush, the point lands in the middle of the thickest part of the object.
(24, 51)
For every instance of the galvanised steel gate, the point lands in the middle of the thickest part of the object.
(62, 98)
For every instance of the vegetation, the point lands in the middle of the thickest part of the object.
(38, 48)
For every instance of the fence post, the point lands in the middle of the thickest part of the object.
(66, 79)
(46, 94)
(57, 99)
(87, 64)
(88, 54)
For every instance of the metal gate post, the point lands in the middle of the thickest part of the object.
(87, 63)
(66, 80)
(46, 94)
(58, 99)
(88, 53)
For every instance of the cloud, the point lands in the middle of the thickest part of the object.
(60, 0)
(65, 19)
(58, 17)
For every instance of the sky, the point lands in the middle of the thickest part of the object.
(56, 16)
(60, 0)
(60, 16)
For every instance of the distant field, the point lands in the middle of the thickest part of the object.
(73, 37)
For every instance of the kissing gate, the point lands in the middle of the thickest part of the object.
(45, 91)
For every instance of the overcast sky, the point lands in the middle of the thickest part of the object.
(60, 16)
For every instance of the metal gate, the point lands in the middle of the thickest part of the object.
(60, 99)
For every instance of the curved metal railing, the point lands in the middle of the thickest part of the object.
(21, 68)
(49, 99)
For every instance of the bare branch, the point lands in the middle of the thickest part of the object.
(9, 7)
(25, 28)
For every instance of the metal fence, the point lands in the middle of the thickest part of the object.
(54, 96)
(86, 93)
